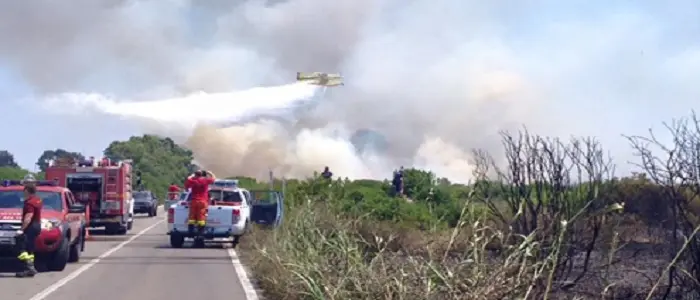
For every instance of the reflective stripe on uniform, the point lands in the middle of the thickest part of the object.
(25, 256)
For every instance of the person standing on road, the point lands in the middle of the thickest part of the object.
(198, 183)
(31, 227)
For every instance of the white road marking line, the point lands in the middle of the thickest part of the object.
(65, 280)
(248, 289)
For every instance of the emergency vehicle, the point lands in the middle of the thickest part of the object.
(104, 187)
(63, 224)
(232, 211)
(320, 78)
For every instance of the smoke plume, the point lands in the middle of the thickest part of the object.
(436, 78)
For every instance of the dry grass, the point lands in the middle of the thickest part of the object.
(319, 255)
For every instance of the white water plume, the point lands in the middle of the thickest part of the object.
(198, 108)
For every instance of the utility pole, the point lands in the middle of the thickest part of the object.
(272, 180)
(284, 186)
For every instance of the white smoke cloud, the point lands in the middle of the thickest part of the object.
(438, 78)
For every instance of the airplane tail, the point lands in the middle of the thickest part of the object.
(301, 76)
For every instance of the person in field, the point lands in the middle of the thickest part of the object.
(327, 174)
(398, 182)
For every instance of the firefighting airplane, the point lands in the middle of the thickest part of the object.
(319, 78)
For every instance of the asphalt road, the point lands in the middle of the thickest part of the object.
(140, 265)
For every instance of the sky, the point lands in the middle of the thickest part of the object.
(438, 77)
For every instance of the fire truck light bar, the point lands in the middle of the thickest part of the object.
(225, 183)
(8, 182)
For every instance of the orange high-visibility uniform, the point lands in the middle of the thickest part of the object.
(198, 212)
(173, 192)
(199, 187)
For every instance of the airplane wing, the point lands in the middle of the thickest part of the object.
(318, 78)
(301, 76)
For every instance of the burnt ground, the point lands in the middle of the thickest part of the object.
(637, 264)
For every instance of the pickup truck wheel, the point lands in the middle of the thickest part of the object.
(248, 227)
(123, 230)
(155, 211)
(75, 249)
(111, 229)
(246, 230)
(199, 243)
(176, 240)
(84, 232)
(129, 226)
(58, 260)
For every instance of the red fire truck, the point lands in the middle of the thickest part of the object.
(105, 187)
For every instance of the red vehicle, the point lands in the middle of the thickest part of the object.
(105, 188)
(62, 238)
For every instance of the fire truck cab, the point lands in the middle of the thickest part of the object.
(104, 187)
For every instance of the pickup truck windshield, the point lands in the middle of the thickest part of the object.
(217, 195)
(142, 196)
(15, 199)
(225, 196)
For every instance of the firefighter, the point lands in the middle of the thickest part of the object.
(398, 182)
(139, 182)
(31, 227)
(173, 191)
(327, 174)
(198, 183)
(29, 178)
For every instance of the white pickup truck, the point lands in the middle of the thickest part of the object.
(228, 216)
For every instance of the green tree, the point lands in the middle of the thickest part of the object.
(47, 155)
(7, 159)
(160, 161)
(421, 185)
(12, 173)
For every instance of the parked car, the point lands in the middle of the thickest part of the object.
(145, 202)
(63, 224)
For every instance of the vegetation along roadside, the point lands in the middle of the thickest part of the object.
(549, 221)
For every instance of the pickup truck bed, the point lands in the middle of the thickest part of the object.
(229, 219)
(227, 222)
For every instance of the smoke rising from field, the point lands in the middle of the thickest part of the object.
(436, 78)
